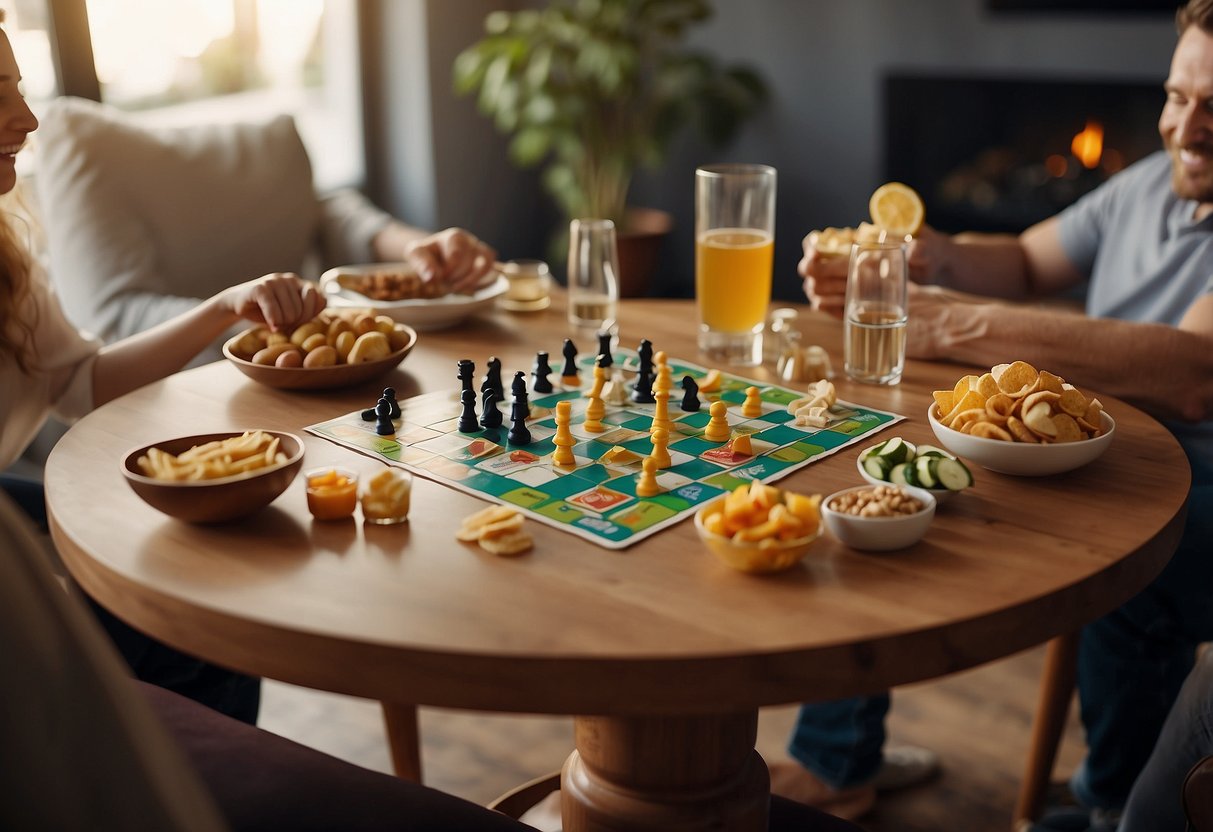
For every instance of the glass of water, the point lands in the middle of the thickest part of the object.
(876, 311)
(593, 275)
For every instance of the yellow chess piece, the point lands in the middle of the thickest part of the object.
(647, 485)
(665, 379)
(564, 440)
(597, 407)
(661, 413)
(753, 403)
(717, 429)
(659, 454)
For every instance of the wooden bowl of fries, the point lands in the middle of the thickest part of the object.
(214, 477)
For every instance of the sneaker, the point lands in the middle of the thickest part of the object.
(904, 766)
(1077, 819)
(795, 782)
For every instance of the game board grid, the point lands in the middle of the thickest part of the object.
(598, 501)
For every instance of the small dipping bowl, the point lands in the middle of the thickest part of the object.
(878, 534)
(332, 493)
(386, 497)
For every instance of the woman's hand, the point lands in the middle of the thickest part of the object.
(825, 277)
(280, 301)
(454, 257)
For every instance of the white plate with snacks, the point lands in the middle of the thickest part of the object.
(1021, 458)
(396, 290)
(897, 461)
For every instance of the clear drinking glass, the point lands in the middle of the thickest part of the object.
(528, 286)
(876, 312)
(734, 249)
(593, 274)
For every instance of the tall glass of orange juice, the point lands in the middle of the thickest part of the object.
(734, 249)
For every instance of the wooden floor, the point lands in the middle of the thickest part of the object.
(977, 721)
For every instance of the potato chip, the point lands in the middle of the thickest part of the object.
(501, 527)
(1052, 383)
(969, 400)
(989, 430)
(1032, 399)
(963, 386)
(987, 386)
(1020, 376)
(506, 545)
(976, 414)
(1039, 419)
(943, 400)
(1072, 401)
(1020, 431)
(1000, 406)
(1067, 428)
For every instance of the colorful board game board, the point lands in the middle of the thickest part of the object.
(597, 499)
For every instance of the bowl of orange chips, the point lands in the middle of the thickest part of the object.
(759, 528)
(1018, 420)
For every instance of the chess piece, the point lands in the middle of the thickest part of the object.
(383, 418)
(718, 429)
(492, 379)
(563, 440)
(661, 414)
(665, 379)
(604, 347)
(647, 485)
(490, 416)
(519, 411)
(690, 395)
(642, 390)
(568, 375)
(661, 441)
(597, 408)
(540, 374)
(752, 407)
(467, 369)
(389, 393)
(467, 420)
(616, 390)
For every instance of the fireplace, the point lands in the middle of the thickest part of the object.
(999, 154)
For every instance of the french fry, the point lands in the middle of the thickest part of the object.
(229, 457)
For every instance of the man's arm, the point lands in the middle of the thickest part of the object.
(1165, 370)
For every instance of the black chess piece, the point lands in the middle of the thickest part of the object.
(604, 349)
(519, 411)
(467, 371)
(570, 359)
(467, 420)
(490, 416)
(368, 415)
(383, 418)
(690, 395)
(540, 374)
(492, 379)
(389, 393)
(642, 390)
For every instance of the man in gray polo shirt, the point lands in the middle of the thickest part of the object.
(1144, 243)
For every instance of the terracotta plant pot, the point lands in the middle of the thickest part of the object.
(639, 244)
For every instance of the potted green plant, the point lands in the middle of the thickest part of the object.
(593, 90)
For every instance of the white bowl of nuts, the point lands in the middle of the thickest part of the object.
(878, 518)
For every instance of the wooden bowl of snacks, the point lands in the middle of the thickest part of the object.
(338, 348)
(214, 477)
(878, 518)
(759, 528)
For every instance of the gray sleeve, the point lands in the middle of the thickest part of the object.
(349, 223)
(1080, 227)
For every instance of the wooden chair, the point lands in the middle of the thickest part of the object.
(1052, 708)
(1198, 796)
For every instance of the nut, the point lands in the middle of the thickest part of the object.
(879, 501)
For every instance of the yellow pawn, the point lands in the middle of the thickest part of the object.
(647, 485)
(661, 413)
(718, 429)
(564, 439)
(659, 454)
(597, 407)
(752, 407)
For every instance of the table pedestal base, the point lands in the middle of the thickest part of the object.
(682, 774)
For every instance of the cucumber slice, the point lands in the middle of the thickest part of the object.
(897, 450)
(877, 466)
(903, 474)
(931, 450)
(953, 474)
(924, 470)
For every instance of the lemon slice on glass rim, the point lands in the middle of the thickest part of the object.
(897, 209)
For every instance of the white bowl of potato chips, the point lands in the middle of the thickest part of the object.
(338, 348)
(214, 477)
(1022, 458)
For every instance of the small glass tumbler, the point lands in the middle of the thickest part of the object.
(529, 286)
(387, 496)
(332, 493)
(876, 312)
(593, 275)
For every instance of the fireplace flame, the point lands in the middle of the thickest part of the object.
(1088, 145)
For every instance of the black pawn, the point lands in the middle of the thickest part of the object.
(383, 419)
(519, 411)
(604, 349)
(541, 372)
(467, 419)
(492, 379)
(570, 359)
(389, 393)
(490, 416)
(642, 390)
(690, 395)
(467, 370)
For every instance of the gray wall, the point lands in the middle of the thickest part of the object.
(824, 62)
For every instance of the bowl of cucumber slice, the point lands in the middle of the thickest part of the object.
(898, 461)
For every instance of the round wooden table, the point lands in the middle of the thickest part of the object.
(662, 654)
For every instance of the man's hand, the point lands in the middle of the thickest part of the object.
(280, 300)
(825, 277)
(453, 257)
